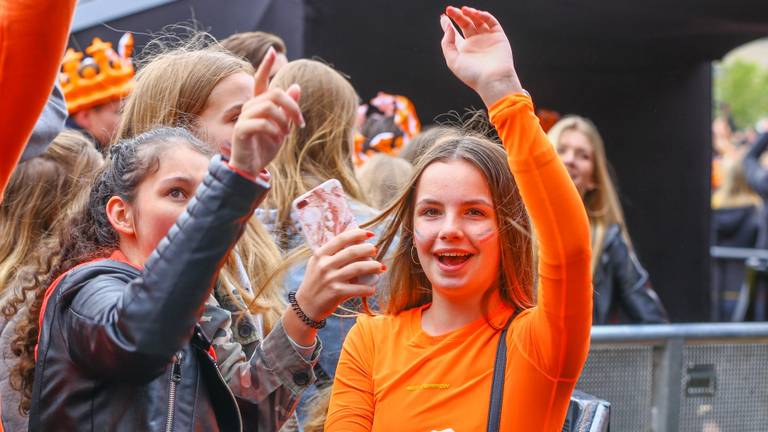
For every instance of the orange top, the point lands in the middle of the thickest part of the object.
(393, 376)
(33, 35)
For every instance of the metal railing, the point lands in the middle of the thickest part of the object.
(742, 275)
(681, 377)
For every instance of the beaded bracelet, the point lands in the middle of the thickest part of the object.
(307, 320)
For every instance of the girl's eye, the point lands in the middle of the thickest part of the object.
(430, 211)
(177, 193)
(475, 212)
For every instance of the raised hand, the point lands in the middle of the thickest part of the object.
(264, 121)
(482, 59)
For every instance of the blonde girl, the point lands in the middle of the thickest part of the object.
(622, 286)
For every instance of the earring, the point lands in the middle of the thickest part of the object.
(414, 259)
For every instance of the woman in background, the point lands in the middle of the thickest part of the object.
(622, 287)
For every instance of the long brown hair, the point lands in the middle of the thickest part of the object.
(323, 149)
(87, 236)
(41, 196)
(408, 285)
(172, 89)
(602, 202)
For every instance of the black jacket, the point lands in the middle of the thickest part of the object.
(120, 348)
(622, 288)
(757, 176)
(737, 226)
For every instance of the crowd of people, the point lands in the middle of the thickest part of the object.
(153, 273)
(739, 193)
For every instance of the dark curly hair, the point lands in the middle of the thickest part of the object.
(89, 236)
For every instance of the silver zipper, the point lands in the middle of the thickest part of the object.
(175, 380)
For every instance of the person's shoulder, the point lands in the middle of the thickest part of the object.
(384, 324)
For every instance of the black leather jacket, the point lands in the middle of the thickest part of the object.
(120, 348)
(623, 291)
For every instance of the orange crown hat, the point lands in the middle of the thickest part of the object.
(103, 77)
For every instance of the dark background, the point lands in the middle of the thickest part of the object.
(640, 70)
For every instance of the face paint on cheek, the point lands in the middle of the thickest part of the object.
(486, 234)
(418, 234)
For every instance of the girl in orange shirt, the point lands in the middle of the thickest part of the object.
(464, 268)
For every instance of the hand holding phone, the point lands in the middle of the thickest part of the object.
(323, 213)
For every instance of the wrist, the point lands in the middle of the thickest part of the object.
(494, 90)
(302, 310)
(263, 177)
(296, 330)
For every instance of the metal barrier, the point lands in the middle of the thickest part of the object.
(681, 377)
(743, 273)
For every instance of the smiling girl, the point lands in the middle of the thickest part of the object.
(464, 269)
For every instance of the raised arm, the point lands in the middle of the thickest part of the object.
(558, 329)
(114, 328)
(29, 62)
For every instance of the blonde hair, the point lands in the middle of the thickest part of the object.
(408, 285)
(323, 149)
(172, 89)
(42, 195)
(602, 202)
(383, 177)
(734, 190)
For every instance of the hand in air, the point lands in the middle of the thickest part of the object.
(264, 121)
(332, 271)
(482, 59)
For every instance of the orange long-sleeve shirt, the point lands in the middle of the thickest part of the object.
(33, 35)
(394, 377)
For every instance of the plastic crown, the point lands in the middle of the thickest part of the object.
(103, 77)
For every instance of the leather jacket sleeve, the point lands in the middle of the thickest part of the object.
(634, 292)
(130, 329)
(757, 176)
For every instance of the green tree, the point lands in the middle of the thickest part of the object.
(744, 86)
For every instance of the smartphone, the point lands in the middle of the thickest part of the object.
(323, 213)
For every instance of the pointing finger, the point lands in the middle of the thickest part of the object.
(262, 74)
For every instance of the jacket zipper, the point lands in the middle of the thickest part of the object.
(175, 380)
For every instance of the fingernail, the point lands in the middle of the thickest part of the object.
(369, 234)
(383, 268)
(303, 124)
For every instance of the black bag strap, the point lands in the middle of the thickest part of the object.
(497, 387)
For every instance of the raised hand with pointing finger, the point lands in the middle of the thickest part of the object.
(264, 121)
